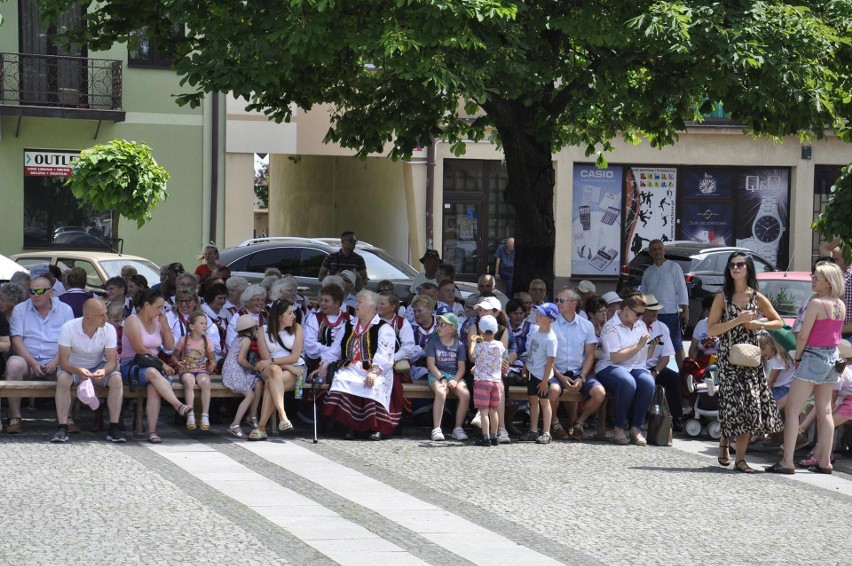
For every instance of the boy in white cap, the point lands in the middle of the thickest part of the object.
(487, 356)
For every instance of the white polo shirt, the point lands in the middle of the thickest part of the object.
(615, 336)
(87, 352)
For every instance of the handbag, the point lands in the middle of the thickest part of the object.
(148, 361)
(660, 420)
(745, 355)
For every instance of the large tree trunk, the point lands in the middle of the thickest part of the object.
(529, 163)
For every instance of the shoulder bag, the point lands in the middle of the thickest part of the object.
(660, 420)
(745, 355)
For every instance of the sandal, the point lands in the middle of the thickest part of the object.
(251, 421)
(184, 410)
(577, 431)
(744, 468)
(777, 468)
(812, 460)
(236, 431)
(724, 454)
(205, 421)
(154, 438)
(817, 469)
(284, 425)
(637, 439)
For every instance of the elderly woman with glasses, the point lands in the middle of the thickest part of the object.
(364, 396)
(746, 405)
(621, 369)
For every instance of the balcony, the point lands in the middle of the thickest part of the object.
(55, 86)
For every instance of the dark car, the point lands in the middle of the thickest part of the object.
(703, 268)
(303, 257)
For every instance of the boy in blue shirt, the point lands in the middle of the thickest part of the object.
(539, 367)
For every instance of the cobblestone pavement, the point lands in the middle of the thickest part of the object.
(208, 498)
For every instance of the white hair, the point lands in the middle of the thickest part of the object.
(251, 292)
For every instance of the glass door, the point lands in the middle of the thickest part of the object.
(463, 246)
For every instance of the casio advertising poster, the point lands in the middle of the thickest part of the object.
(596, 221)
(649, 207)
(762, 212)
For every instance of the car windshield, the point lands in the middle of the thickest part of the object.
(382, 265)
(147, 269)
(786, 295)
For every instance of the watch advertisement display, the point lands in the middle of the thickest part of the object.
(707, 222)
(596, 215)
(707, 183)
(649, 207)
(762, 212)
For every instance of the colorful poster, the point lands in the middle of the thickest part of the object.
(596, 221)
(762, 212)
(706, 183)
(650, 196)
(707, 222)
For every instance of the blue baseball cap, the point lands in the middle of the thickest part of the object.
(549, 310)
(442, 309)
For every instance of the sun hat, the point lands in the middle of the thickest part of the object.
(245, 322)
(586, 286)
(431, 254)
(86, 394)
(611, 297)
(845, 349)
(349, 275)
(787, 339)
(39, 270)
(450, 319)
(487, 323)
(651, 302)
(490, 303)
(549, 310)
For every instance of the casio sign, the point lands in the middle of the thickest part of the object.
(596, 174)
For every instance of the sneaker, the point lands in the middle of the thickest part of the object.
(459, 434)
(476, 422)
(72, 426)
(190, 421)
(494, 442)
(61, 435)
(530, 436)
(437, 434)
(544, 438)
(257, 434)
(559, 433)
(14, 426)
(115, 434)
(503, 436)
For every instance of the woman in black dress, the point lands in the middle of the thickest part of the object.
(746, 406)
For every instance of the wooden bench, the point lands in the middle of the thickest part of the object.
(420, 390)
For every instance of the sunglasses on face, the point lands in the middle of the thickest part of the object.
(737, 265)
(41, 291)
(637, 313)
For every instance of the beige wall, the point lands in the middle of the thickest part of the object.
(318, 196)
(239, 198)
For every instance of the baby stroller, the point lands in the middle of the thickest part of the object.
(706, 409)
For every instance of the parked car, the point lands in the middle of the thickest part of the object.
(303, 257)
(787, 291)
(8, 267)
(99, 266)
(703, 268)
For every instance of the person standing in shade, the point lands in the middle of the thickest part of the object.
(664, 279)
(344, 259)
(431, 262)
(504, 264)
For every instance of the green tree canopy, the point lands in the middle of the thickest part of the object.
(534, 76)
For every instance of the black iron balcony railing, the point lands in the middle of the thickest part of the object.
(59, 81)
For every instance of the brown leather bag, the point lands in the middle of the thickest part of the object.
(660, 420)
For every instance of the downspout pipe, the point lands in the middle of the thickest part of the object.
(430, 192)
(214, 168)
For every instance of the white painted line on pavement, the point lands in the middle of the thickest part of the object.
(450, 531)
(833, 483)
(343, 541)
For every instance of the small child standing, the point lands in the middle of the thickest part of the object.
(778, 366)
(238, 373)
(195, 360)
(115, 316)
(542, 353)
(486, 353)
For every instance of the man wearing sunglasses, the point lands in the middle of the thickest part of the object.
(664, 279)
(344, 259)
(34, 329)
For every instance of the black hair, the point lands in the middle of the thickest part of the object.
(513, 305)
(448, 269)
(139, 280)
(117, 282)
(593, 305)
(751, 277)
(278, 308)
(707, 302)
(347, 233)
(148, 296)
(213, 291)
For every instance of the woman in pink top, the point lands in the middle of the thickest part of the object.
(816, 355)
(144, 333)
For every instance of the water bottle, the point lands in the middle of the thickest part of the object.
(300, 385)
(655, 410)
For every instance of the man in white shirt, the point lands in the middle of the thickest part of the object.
(431, 261)
(664, 279)
(660, 351)
(88, 350)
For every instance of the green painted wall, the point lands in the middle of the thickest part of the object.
(179, 137)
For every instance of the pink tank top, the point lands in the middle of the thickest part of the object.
(826, 333)
(151, 340)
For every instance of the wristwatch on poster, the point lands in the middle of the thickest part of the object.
(766, 230)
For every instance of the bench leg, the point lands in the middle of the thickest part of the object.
(601, 434)
(137, 419)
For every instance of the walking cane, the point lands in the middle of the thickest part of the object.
(315, 386)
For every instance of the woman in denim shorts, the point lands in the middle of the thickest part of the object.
(816, 356)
